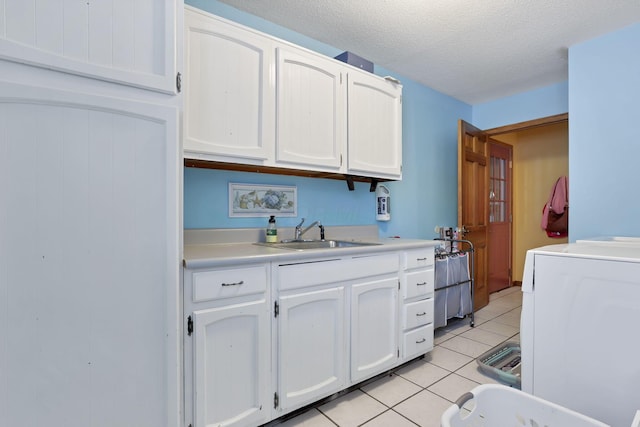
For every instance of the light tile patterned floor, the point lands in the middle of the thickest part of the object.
(418, 394)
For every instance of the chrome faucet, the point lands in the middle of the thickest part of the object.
(299, 231)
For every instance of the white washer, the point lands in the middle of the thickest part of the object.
(579, 327)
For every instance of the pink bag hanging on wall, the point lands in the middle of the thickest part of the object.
(555, 214)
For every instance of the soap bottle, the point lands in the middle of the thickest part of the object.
(272, 231)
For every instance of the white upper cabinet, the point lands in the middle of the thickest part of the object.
(311, 116)
(132, 43)
(375, 126)
(252, 99)
(229, 91)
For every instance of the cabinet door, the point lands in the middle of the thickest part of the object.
(311, 346)
(310, 110)
(229, 92)
(375, 126)
(231, 365)
(374, 327)
(89, 258)
(119, 40)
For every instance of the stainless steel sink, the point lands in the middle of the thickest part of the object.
(300, 245)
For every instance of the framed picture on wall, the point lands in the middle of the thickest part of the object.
(255, 200)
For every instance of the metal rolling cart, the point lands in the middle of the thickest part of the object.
(502, 361)
(447, 282)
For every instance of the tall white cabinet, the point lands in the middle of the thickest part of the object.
(131, 43)
(90, 218)
(228, 346)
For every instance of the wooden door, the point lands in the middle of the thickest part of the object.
(499, 255)
(473, 209)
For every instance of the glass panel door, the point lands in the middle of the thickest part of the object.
(498, 190)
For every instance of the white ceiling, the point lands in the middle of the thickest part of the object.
(472, 50)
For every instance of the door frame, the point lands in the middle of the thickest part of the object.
(515, 127)
(522, 126)
(529, 124)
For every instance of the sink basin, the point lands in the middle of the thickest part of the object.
(300, 245)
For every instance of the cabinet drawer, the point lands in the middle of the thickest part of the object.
(418, 283)
(418, 258)
(417, 342)
(228, 283)
(293, 276)
(417, 313)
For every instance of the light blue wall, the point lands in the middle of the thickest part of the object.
(604, 152)
(543, 102)
(426, 197)
(601, 96)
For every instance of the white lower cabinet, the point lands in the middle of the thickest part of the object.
(311, 346)
(263, 340)
(231, 369)
(227, 347)
(317, 301)
(417, 305)
(374, 327)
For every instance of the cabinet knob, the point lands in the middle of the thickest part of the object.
(421, 341)
(421, 284)
(421, 314)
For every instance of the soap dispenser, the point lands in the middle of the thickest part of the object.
(272, 231)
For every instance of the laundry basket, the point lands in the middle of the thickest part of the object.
(495, 405)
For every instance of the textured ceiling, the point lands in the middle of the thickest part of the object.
(472, 50)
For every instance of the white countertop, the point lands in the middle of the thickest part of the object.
(201, 252)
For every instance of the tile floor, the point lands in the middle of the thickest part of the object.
(418, 393)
